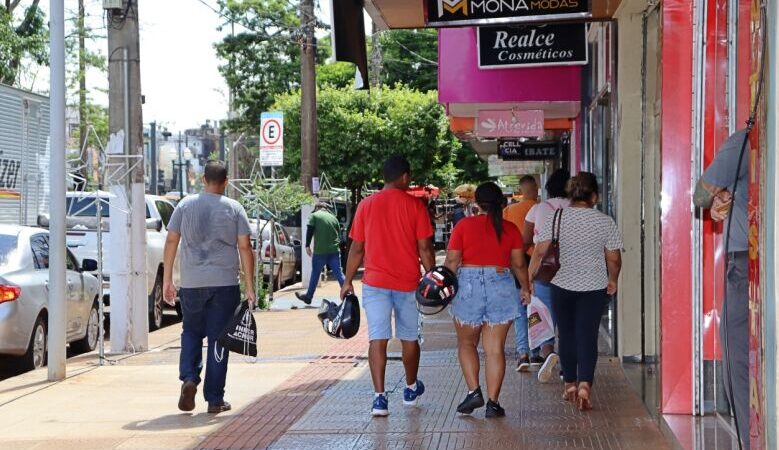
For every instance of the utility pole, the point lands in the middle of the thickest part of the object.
(58, 310)
(129, 299)
(221, 142)
(179, 175)
(377, 59)
(308, 128)
(82, 96)
(154, 159)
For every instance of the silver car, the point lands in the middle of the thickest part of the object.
(24, 281)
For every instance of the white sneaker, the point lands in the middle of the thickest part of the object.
(547, 370)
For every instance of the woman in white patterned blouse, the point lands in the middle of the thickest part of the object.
(590, 262)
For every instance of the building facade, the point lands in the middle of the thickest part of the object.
(662, 87)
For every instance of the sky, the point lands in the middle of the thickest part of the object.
(179, 68)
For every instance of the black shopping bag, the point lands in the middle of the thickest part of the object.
(240, 334)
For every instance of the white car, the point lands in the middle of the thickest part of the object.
(81, 210)
(24, 294)
(284, 259)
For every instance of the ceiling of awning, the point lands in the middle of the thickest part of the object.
(411, 14)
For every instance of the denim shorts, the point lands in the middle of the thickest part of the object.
(485, 297)
(381, 304)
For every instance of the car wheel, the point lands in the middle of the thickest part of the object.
(89, 342)
(156, 305)
(35, 358)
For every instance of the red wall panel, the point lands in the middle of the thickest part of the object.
(676, 215)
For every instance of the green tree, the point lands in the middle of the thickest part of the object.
(262, 58)
(410, 57)
(282, 199)
(358, 130)
(79, 59)
(338, 74)
(23, 34)
(472, 169)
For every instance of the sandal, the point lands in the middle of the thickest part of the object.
(583, 397)
(570, 392)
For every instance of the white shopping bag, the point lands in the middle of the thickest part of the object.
(539, 323)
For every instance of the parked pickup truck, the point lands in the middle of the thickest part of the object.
(81, 212)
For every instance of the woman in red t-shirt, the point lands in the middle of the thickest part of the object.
(484, 250)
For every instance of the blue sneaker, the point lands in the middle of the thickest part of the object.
(410, 397)
(380, 406)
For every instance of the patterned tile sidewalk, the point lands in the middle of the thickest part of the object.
(325, 406)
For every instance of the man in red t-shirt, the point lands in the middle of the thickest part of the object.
(391, 232)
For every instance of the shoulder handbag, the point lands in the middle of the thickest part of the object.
(550, 263)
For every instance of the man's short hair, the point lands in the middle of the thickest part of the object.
(527, 179)
(395, 167)
(215, 172)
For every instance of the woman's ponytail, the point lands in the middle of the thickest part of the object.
(490, 198)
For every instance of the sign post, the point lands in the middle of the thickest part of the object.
(272, 139)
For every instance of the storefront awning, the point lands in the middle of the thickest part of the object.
(411, 13)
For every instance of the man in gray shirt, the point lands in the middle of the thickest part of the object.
(214, 234)
(715, 190)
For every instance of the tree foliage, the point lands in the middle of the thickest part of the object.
(262, 58)
(410, 57)
(358, 130)
(97, 132)
(472, 168)
(23, 34)
(282, 199)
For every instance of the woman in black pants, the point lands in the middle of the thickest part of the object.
(590, 261)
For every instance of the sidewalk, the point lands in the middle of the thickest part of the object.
(308, 391)
(326, 404)
(132, 403)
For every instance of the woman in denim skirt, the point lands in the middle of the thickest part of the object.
(484, 250)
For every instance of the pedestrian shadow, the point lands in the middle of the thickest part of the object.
(180, 421)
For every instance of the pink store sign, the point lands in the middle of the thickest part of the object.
(497, 124)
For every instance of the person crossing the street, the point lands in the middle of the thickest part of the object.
(325, 230)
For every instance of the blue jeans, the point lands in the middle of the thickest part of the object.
(318, 262)
(486, 297)
(544, 293)
(520, 329)
(206, 312)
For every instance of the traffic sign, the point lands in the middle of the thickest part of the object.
(272, 139)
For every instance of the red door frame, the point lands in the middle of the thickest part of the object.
(676, 217)
(676, 303)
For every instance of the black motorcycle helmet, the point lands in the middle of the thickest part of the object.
(436, 290)
(341, 321)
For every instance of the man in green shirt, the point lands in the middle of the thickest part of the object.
(325, 230)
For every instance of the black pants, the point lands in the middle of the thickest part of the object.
(578, 316)
(735, 326)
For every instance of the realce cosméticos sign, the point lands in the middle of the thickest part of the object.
(532, 45)
(441, 13)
